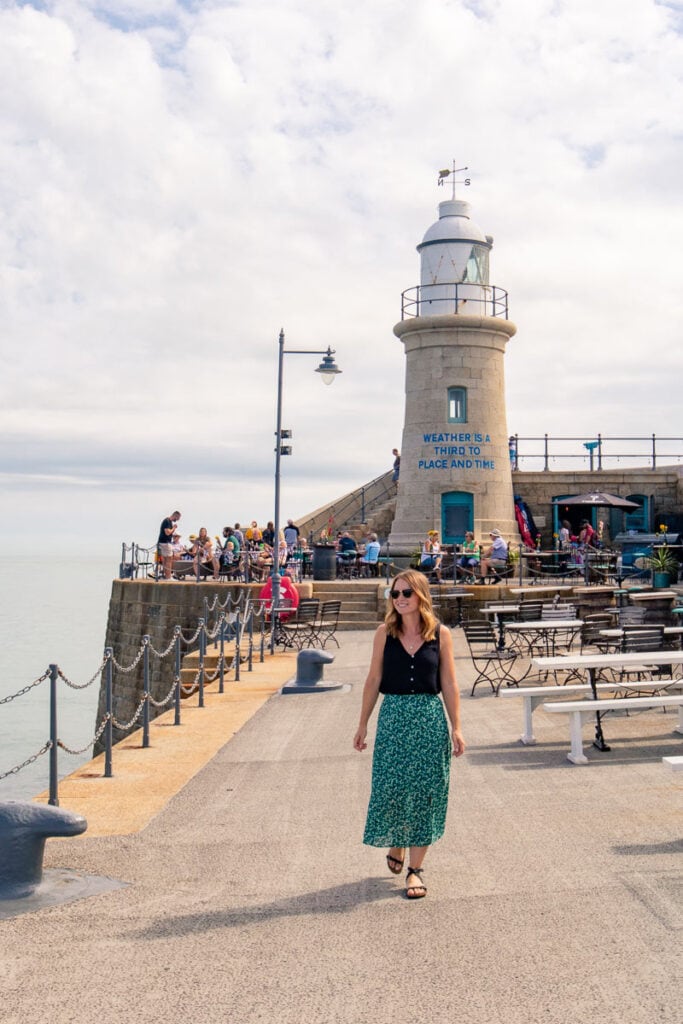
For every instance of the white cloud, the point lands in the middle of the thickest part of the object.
(180, 180)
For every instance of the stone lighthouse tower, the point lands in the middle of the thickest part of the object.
(455, 463)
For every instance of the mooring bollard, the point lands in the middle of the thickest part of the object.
(24, 827)
(310, 665)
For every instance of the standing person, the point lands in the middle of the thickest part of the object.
(291, 535)
(165, 543)
(396, 469)
(412, 664)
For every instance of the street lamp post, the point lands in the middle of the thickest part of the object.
(328, 370)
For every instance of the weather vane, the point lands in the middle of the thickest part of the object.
(454, 170)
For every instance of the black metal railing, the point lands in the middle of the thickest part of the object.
(454, 297)
(599, 452)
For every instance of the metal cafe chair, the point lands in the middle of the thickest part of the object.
(299, 631)
(491, 664)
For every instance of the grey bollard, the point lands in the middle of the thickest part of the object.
(309, 673)
(24, 827)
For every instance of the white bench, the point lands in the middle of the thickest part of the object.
(675, 763)
(578, 709)
(532, 696)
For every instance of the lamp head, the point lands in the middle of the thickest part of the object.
(328, 369)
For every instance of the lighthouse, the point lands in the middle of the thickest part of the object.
(455, 464)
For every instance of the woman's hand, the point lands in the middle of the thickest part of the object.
(359, 739)
(458, 743)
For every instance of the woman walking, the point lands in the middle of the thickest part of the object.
(412, 664)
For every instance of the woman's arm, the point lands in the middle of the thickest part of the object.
(371, 688)
(449, 689)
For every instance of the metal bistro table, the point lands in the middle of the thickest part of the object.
(592, 662)
(499, 614)
(458, 596)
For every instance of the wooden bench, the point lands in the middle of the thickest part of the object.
(532, 696)
(578, 709)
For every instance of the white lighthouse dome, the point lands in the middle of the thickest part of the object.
(454, 224)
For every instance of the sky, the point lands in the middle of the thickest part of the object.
(181, 180)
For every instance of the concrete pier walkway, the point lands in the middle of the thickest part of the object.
(553, 897)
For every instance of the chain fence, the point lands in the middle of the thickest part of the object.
(241, 623)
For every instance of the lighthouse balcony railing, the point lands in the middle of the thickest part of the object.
(464, 298)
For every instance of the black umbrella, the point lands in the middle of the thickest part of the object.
(600, 499)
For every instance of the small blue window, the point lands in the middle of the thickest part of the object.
(457, 405)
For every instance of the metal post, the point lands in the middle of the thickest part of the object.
(545, 453)
(109, 709)
(250, 663)
(176, 701)
(221, 656)
(145, 710)
(54, 796)
(276, 520)
(599, 451)
(521, 566)
(238, 631)
(654, 453)
(202, 651)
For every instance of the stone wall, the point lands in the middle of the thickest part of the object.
(663, 485)
(140, 607)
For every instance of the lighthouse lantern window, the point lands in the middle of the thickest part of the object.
(477, 267)
(457, 405)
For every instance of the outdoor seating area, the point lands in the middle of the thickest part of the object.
(613, 660)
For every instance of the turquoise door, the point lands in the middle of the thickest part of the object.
(457, 516)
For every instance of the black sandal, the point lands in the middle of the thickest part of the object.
(394, 864)
(419, 891)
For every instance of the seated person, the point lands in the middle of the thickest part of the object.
(230, 548)
(203, 553)
(469, 560)
(346, 549)
(431, 557)
(179, 549)
(496, 555)
(289, 595)
(370, 555)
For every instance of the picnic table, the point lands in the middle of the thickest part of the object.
(591, 663)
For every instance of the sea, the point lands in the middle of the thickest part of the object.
(53, 610)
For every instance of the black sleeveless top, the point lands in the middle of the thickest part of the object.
(404, 673)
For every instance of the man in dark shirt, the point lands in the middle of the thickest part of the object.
(165, 543)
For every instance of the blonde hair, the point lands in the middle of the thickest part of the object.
(417, 581)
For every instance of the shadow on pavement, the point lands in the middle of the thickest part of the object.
(338, 899)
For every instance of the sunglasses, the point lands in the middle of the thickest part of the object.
(408, 592)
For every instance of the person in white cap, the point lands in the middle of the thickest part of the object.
(496, 556)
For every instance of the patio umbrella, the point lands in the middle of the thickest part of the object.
(601, 499)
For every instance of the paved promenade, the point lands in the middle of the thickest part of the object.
(553, 897)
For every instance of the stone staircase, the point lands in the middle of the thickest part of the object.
(362, 601)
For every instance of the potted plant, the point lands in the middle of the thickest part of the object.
(664, 565)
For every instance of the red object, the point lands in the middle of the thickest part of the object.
(287, 591)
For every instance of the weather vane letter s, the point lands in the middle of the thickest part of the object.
(454, 170)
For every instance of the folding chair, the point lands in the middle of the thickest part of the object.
(492, 666)
(300, 631)
(327, 624)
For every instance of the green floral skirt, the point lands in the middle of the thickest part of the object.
(410, 772)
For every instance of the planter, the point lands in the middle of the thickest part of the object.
(661, 580)
(324, 562)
